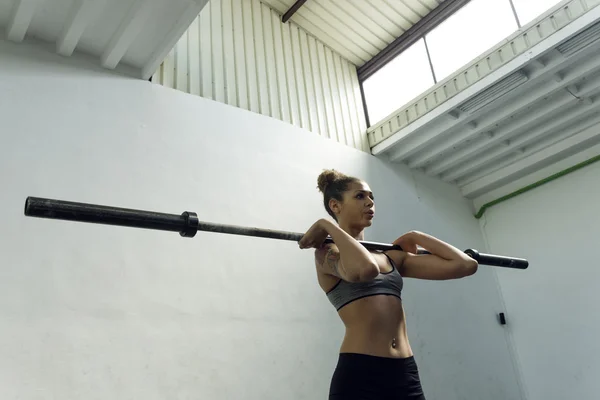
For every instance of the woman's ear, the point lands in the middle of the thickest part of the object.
(334, 206)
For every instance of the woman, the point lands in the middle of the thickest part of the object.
(375, 361)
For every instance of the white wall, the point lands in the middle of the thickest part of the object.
(99, 312)
(552, 308)
(239, 53)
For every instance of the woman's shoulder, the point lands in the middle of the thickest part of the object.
(397, 256)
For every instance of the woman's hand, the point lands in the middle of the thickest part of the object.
(350, 260)
(315, 236)
(408, 242)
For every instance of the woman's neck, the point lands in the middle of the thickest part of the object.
(357, 233)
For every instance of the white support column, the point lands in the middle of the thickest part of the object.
(132, 23)
(21, 18)
(81, 14)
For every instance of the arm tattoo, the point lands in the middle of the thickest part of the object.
(332, 259)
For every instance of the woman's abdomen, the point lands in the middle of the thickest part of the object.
(375, 325)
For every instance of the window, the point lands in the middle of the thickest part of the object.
(470, 32)
(400, 81)
(528, 10)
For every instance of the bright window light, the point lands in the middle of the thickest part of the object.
(528, 10)
(401, 80)
(470, 32)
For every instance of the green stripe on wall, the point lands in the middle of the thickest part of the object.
(536, 184)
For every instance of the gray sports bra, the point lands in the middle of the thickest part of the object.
(389, 283)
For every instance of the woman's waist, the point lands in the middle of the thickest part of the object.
(376, 329)
(393, 343)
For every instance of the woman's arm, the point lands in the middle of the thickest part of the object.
(347, 258)
(444, 262)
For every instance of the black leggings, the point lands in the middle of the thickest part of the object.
(365, 377)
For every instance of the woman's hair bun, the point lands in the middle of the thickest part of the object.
(327, 177)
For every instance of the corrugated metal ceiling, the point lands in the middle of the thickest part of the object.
(357, 29)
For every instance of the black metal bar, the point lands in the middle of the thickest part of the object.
(408, 38)
(497, 261)
(514, 10)
(295, 7)
(187, 224)
(97, 214)
(364, 101)
(430, 62)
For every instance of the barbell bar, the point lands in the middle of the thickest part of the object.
(188, 224)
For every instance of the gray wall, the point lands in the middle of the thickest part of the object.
(98, 312)
(553, 306)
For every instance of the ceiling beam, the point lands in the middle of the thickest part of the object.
(82, 13)
(551, 154)
(582, 69)
(472, 159)
(541, 174)
(568, 125)
(21, 19)
(132, 23)
(506, 132)
(289, 13)
(541, 145)
(408, 38)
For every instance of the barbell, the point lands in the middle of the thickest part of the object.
(188, 224)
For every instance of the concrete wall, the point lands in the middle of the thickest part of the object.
(552, 308)
(99, 312)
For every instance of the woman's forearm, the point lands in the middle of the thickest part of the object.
(439, 247)
(357, 261)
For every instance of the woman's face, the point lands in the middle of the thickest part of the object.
(358, 206)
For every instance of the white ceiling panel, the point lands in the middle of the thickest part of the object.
(131, 35)
(357, 29)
